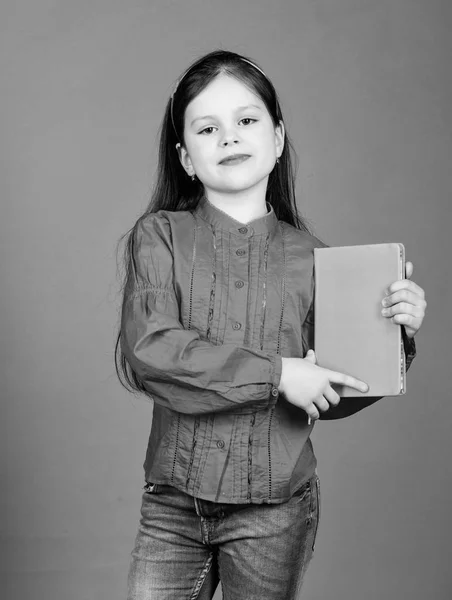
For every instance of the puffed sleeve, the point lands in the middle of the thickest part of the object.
(177, 368)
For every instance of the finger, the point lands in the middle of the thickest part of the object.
(321, 403)
(408, 320)
(311, 357)
(404, 295)
(332, 396)
(312, 412)
(348, 380)
(405, 284)
(409, 269)
(403, 308)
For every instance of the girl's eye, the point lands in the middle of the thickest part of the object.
(207, 131)
(247, 120)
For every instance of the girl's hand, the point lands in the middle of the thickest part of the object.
(308, 386)
(405, 303)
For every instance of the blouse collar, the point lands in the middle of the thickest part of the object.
(221, 220)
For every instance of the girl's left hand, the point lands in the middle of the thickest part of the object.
(405, 303)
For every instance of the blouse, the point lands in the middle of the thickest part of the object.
(211, 307)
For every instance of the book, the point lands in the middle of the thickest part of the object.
(350, 333)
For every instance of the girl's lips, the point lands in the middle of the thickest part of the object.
(235, 159)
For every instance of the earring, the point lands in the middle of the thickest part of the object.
(193, 177)
(277, 160)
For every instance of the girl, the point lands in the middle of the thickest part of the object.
(216, 327)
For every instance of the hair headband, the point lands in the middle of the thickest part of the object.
(179, 81)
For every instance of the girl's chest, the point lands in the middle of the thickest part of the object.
(247, 291)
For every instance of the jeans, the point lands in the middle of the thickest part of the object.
(185, 546)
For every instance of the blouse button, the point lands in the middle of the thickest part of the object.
(236, 325)
(220, 444)
(243, 230)
(240, 252)
(239, 284)
(275, 392)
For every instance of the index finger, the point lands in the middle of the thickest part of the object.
(348, 380)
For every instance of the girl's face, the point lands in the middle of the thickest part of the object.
(231, 143)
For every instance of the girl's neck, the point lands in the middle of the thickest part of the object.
(244, 207)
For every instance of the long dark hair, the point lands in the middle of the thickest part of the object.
(174, 190)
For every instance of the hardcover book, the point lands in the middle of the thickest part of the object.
(351, 335)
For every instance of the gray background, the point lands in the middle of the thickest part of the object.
(367, 93)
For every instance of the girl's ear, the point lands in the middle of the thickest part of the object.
(185, 159)
(280, 134)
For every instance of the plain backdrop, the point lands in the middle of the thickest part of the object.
(366, 88)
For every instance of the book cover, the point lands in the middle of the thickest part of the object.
(351, 335)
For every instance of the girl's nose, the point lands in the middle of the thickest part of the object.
(229, 138)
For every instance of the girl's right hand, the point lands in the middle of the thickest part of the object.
(308, 386)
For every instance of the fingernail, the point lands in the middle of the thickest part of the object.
(384, 312)
(384, 302)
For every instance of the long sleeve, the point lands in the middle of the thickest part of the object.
(179, 369)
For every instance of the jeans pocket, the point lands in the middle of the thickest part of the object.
(316, 510)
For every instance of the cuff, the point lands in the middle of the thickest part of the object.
(409, 347)
(276, 378)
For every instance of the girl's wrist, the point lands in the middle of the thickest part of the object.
(282, 379)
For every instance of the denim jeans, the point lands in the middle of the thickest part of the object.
(185, 546)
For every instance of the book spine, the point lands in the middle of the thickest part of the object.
(402, 350)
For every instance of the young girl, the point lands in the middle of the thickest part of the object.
(216, 327)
